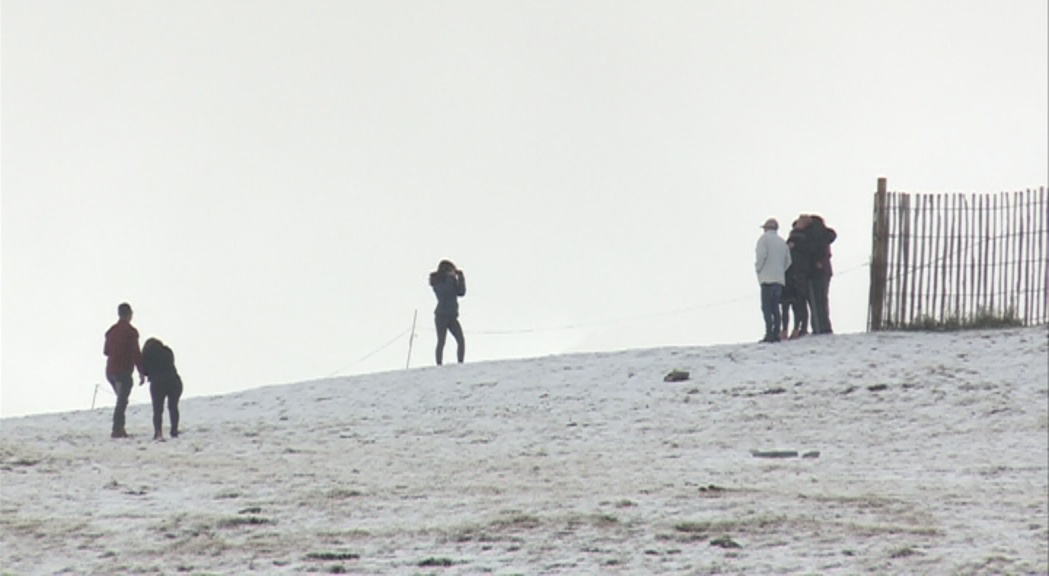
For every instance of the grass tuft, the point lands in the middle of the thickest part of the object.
(444, 562)
(244, 521)
(983, 319)
(332, 556)
(693, 527)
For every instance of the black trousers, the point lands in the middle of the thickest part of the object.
(444, 325)
(169, 387)
(800, 305)
(819, 290)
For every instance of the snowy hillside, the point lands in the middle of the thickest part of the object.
(933, 459)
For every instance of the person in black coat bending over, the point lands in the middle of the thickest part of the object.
(158, 364)
(448, 285)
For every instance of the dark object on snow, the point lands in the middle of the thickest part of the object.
(878, 387)
(725, 542)
(811, 454)
(774, 453)
(676, 376)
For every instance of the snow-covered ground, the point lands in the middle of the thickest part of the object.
(933, 459)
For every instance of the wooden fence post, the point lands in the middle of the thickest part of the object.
(879, 258)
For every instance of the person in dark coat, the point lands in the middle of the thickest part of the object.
(799, 277)
(122, 358)
(822, 237)
(448, 285)
(158, 363)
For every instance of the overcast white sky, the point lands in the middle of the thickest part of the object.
(269, 183)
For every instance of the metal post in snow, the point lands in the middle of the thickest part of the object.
(411, 339)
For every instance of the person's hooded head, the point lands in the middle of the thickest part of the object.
(444, 269)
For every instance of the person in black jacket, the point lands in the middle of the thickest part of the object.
(448, 285)
(158, 364)
(799, 276)
(822, 237)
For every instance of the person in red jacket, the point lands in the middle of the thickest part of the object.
(123, 356)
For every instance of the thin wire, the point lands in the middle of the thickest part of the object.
(610, 321)
(370, 354)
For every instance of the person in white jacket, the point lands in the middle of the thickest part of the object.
(773, 259)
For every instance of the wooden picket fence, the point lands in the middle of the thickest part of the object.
(938, 259)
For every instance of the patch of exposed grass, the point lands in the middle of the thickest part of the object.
(882, 529)
(693, 527)
(517, 521)
(905, 552)
(725, 542)
(243, 521)
(983, 319)
(473, 534)
(332, 556)
(342, 494)
(344, 534)
(744, 525)
(499, 530)
(198, 540)
(441, 562)
(599, 520)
